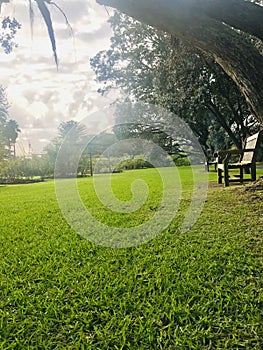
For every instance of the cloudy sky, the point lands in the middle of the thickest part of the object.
(40, 96)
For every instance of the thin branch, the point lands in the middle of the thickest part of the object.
(47, 18)
(31, 17)
(64, 15)
(68, 25)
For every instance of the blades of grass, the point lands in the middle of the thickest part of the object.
(47, 18)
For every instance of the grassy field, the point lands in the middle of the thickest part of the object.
(201, 289)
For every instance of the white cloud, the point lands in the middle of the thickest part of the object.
(41, 96)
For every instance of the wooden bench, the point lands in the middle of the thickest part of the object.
(246, 163)
(212, 163)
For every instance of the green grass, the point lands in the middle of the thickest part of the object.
(201, 289)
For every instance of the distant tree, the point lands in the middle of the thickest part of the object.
(72, 130)
(71, 136)
(4, 105)
(3, 117)
(11, 131)
(9, 128)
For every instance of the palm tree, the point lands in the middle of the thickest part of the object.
(43, 6)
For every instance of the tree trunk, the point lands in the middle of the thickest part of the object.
(221, 120)
(202, 23)
(243, 15)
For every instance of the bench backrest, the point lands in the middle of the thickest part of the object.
(252, 142)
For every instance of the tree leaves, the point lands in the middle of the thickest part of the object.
(9, 27)
(47, 18)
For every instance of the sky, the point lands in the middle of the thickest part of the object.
(41, 96)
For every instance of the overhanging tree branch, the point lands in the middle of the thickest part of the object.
(191, 22)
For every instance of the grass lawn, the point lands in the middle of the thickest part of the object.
(201, 289)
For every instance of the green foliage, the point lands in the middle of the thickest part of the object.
(72, 130)
(135, 163)
(198, 290)
(23, 169)
(142, 163)
(7, 34)
(180, 159)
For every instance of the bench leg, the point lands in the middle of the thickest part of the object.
(226, 179)
(219, 176)
(253, 172)
(241, 174)
(215, 166)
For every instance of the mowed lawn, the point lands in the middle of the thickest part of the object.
(199, 289)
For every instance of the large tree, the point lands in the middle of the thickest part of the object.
(216, 27)
(152, 66)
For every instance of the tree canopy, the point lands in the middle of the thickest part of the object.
(224, 29)
(153, 66)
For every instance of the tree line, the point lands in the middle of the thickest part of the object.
(76, 152)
